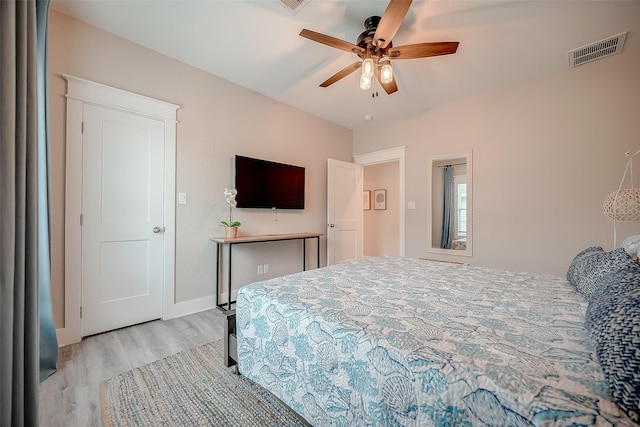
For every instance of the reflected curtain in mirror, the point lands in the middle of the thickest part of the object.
(447, 206)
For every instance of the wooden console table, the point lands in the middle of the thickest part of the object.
(220, 241)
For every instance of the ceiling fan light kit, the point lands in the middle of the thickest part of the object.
(365, 82)
(367, 67)
(386, 72)
(375, 48)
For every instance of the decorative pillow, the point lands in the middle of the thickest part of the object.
(578, 265)
(613, 322)
(632, 245)
(592, 264)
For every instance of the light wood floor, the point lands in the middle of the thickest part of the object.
(71, 396)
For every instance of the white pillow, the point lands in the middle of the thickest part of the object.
(632, 245)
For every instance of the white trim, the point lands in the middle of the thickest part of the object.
(95, 93)
(382, 156)
(67, 337)
(73, 209)
(80, 92)
(386, 156)
(193, 306)
(170, 220)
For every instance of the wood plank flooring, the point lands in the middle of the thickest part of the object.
(71, 396)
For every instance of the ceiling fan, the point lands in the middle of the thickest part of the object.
(375, 48)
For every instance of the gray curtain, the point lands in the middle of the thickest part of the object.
(447, 207)
(19, 214)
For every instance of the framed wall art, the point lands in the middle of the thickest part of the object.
(366, 200)
(379, 199)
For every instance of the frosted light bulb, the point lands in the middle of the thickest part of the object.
(367, 67)
(386, 73)
(365, 82)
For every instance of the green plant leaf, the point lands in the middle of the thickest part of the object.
(233, 224)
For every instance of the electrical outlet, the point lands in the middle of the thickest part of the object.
(266, 268)
(261, 269)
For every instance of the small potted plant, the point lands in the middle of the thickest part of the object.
(231, 227)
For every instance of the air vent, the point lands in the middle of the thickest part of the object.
(597, 50)
(294, 6)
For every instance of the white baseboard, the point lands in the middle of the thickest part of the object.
(66, 336)
(192, 306)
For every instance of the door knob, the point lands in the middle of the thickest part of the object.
(157, 229)
(332, 225)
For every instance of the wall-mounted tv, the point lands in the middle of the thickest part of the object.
(265, 184)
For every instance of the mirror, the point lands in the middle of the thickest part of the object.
(450, 230)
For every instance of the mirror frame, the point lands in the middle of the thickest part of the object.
(438, 159)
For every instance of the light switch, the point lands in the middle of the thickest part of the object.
(182, 198)
(411, 205)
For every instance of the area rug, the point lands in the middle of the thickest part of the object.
(191, 388)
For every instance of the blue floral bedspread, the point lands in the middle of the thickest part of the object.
(397, 341)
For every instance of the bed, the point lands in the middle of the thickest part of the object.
(397, 341)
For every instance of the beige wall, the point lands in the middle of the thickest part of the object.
(217, 120)
(381, 227)
(546, 153)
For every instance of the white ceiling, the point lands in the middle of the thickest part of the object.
(256, 44)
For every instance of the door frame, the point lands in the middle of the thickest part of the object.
(386, 156)
(79, 93)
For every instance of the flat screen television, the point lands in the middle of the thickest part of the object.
(265, 184)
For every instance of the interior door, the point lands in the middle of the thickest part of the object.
(122, 219)
(344, 211)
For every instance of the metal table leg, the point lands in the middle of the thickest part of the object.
(229, 276)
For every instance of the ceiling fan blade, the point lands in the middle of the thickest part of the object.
(390, 22)
(422, 50)
(331, 41)
(388, 87)
(341, 74)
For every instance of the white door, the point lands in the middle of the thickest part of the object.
(122, 219)
(344, 211)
